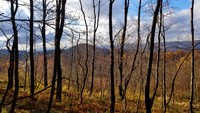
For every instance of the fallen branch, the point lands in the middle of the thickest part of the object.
(23, 97)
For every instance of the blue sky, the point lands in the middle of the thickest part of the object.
(181, 4)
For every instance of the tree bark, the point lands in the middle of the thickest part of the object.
(134, 63)
(26, 66)
(192, 60)
(60, 19)
(59, 30)
(31, 48)
(16, 56)
(96, 24)
(148, 99)
(121, 61)
(112, 63)
(87, 52)
(164, 68)
(44, 43)
(71, 61)
(10, 73)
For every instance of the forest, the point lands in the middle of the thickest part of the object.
(99, 56)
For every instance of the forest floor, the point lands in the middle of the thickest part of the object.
(96, 103)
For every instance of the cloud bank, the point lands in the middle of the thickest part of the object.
(177, 23)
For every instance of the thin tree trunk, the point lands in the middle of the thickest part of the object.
(134, 63)
(82, 67)
(121, 61)
(164, 70)
(59, 81)
(148, 99)
(59, 31)
(158, 53)
(192, 60)
(26, 65)
(60, 17)
(72, 60)
(10, 74)
(11, 67)
(141, 86)
(138, 45)
(96, 24)
(53, 83)
(175, 76)
(78, 58)
(112, 63)
(44, 43)
(16, 56)
(35, 65)
(87, 52)
(31, 48)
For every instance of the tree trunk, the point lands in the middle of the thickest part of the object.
(16, 56)
(87, 52)
(134, 63)
(164, 69)
(11, 68)
(10, 74)
(26, 65)
(112, 76)
(148, 99)
(71, 61)
(60, 19)
(59, 81)
(78, 63)
(31, 48)
(141, 86)
(192, 61)
(121, 61)
(59, 30)
(44, 43)
(96, 24)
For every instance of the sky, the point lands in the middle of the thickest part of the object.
(177, 21)
(181, 4)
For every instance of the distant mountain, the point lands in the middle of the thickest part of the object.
(181, 45)
(5, 53)
(81, 48)
(104, 50)
(171, 46)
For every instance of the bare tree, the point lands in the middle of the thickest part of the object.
(60, 19)
(126, 7)
(112, 63)
(134, 63)
(78, 58)
(87, 52)
(164, 76)
(26, 65)
(96, 24)
(11, 65)
(43, 31)
(141, 72)
(31, 48)
(164, 63)
(72, 60)
(158, 50)
(14, 9)
(149, 100)
(141, 86)
(10, 70)
(192, 60)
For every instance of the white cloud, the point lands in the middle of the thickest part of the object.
(178, 22)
